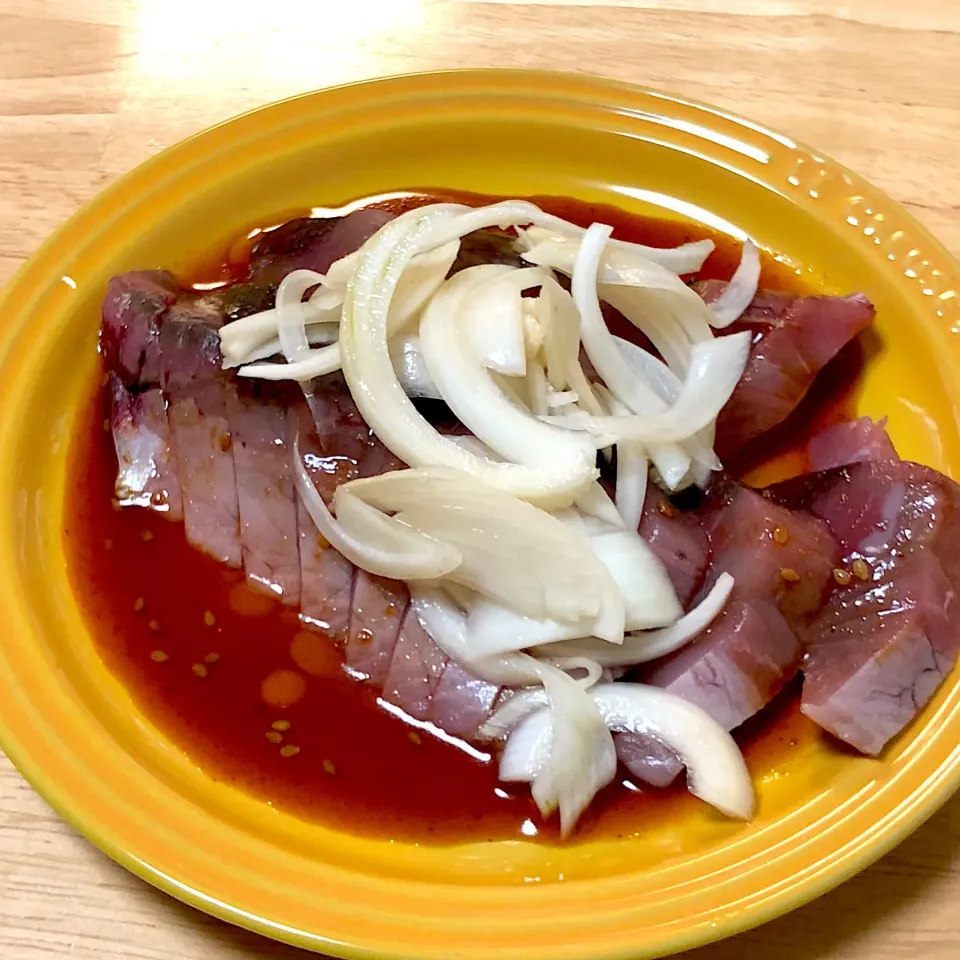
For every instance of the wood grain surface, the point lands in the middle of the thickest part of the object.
(89, 88)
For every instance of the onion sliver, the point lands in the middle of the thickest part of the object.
(419, 282)
(716, 772)
(445, 624)
(411, 368)
(596, 502)
(492, 317)
(582, 758)
(651, 644)
(321, 334)
(379, 395)
(527, 749)
(511, 712)
(631, 489)
(240, 344)
(740, 291)
(597, 339)
(402, 553)
(321, 362)
(561, 345)
(715, 369)
(493, 628)
(469, 390)
(558, 250)
(291, 322)
(648, 595)
(671, 316)
(513, 552)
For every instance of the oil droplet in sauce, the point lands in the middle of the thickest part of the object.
(158, 610)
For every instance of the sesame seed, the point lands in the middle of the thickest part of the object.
(861, 569)
(291, 751)
(208, 618)
(146, 536)
(668, 509)
(199, 669)
(281, 725)
(139, 604)
(414, 737)
(780, 535)
(789, 574)
(158, 656)
(226, 442)
(328, 767)
(106, 426)
(843, 577)
(154, 625)
(274, 737)
(211, 658)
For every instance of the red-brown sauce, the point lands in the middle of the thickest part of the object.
(231, 677)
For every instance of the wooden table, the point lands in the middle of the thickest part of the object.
(89, 88)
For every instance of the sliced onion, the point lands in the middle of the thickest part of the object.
(400, 552)
(291, 323)
(740, 291)
(527, 750)
(321, 334)
(242, 341)
(648, 594)
(471, 393)
(512, 552)
(559, 249)
(667, 385)
(321, 362)
(561, 399)
(582, 758)
(374, 385)
(493, 629)
(670, 315)
(510, 713)
(445, 624)
(492, 317)
(715, 370)
(411, 368)
(477, 447)
(597, 340)
(716, 772)
(651, 644)
(560, 320)
(565, 751)
(537, 384)
(605, 355)
(420, 281)
(596, 502)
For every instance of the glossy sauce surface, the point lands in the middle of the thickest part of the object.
(234, 680)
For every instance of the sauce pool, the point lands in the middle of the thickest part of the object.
(233, 678)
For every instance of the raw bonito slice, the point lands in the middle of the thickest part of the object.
(147, 469)
(793, 340)
(890, 632)
(851, 442)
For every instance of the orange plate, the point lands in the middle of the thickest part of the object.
(72, 729)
